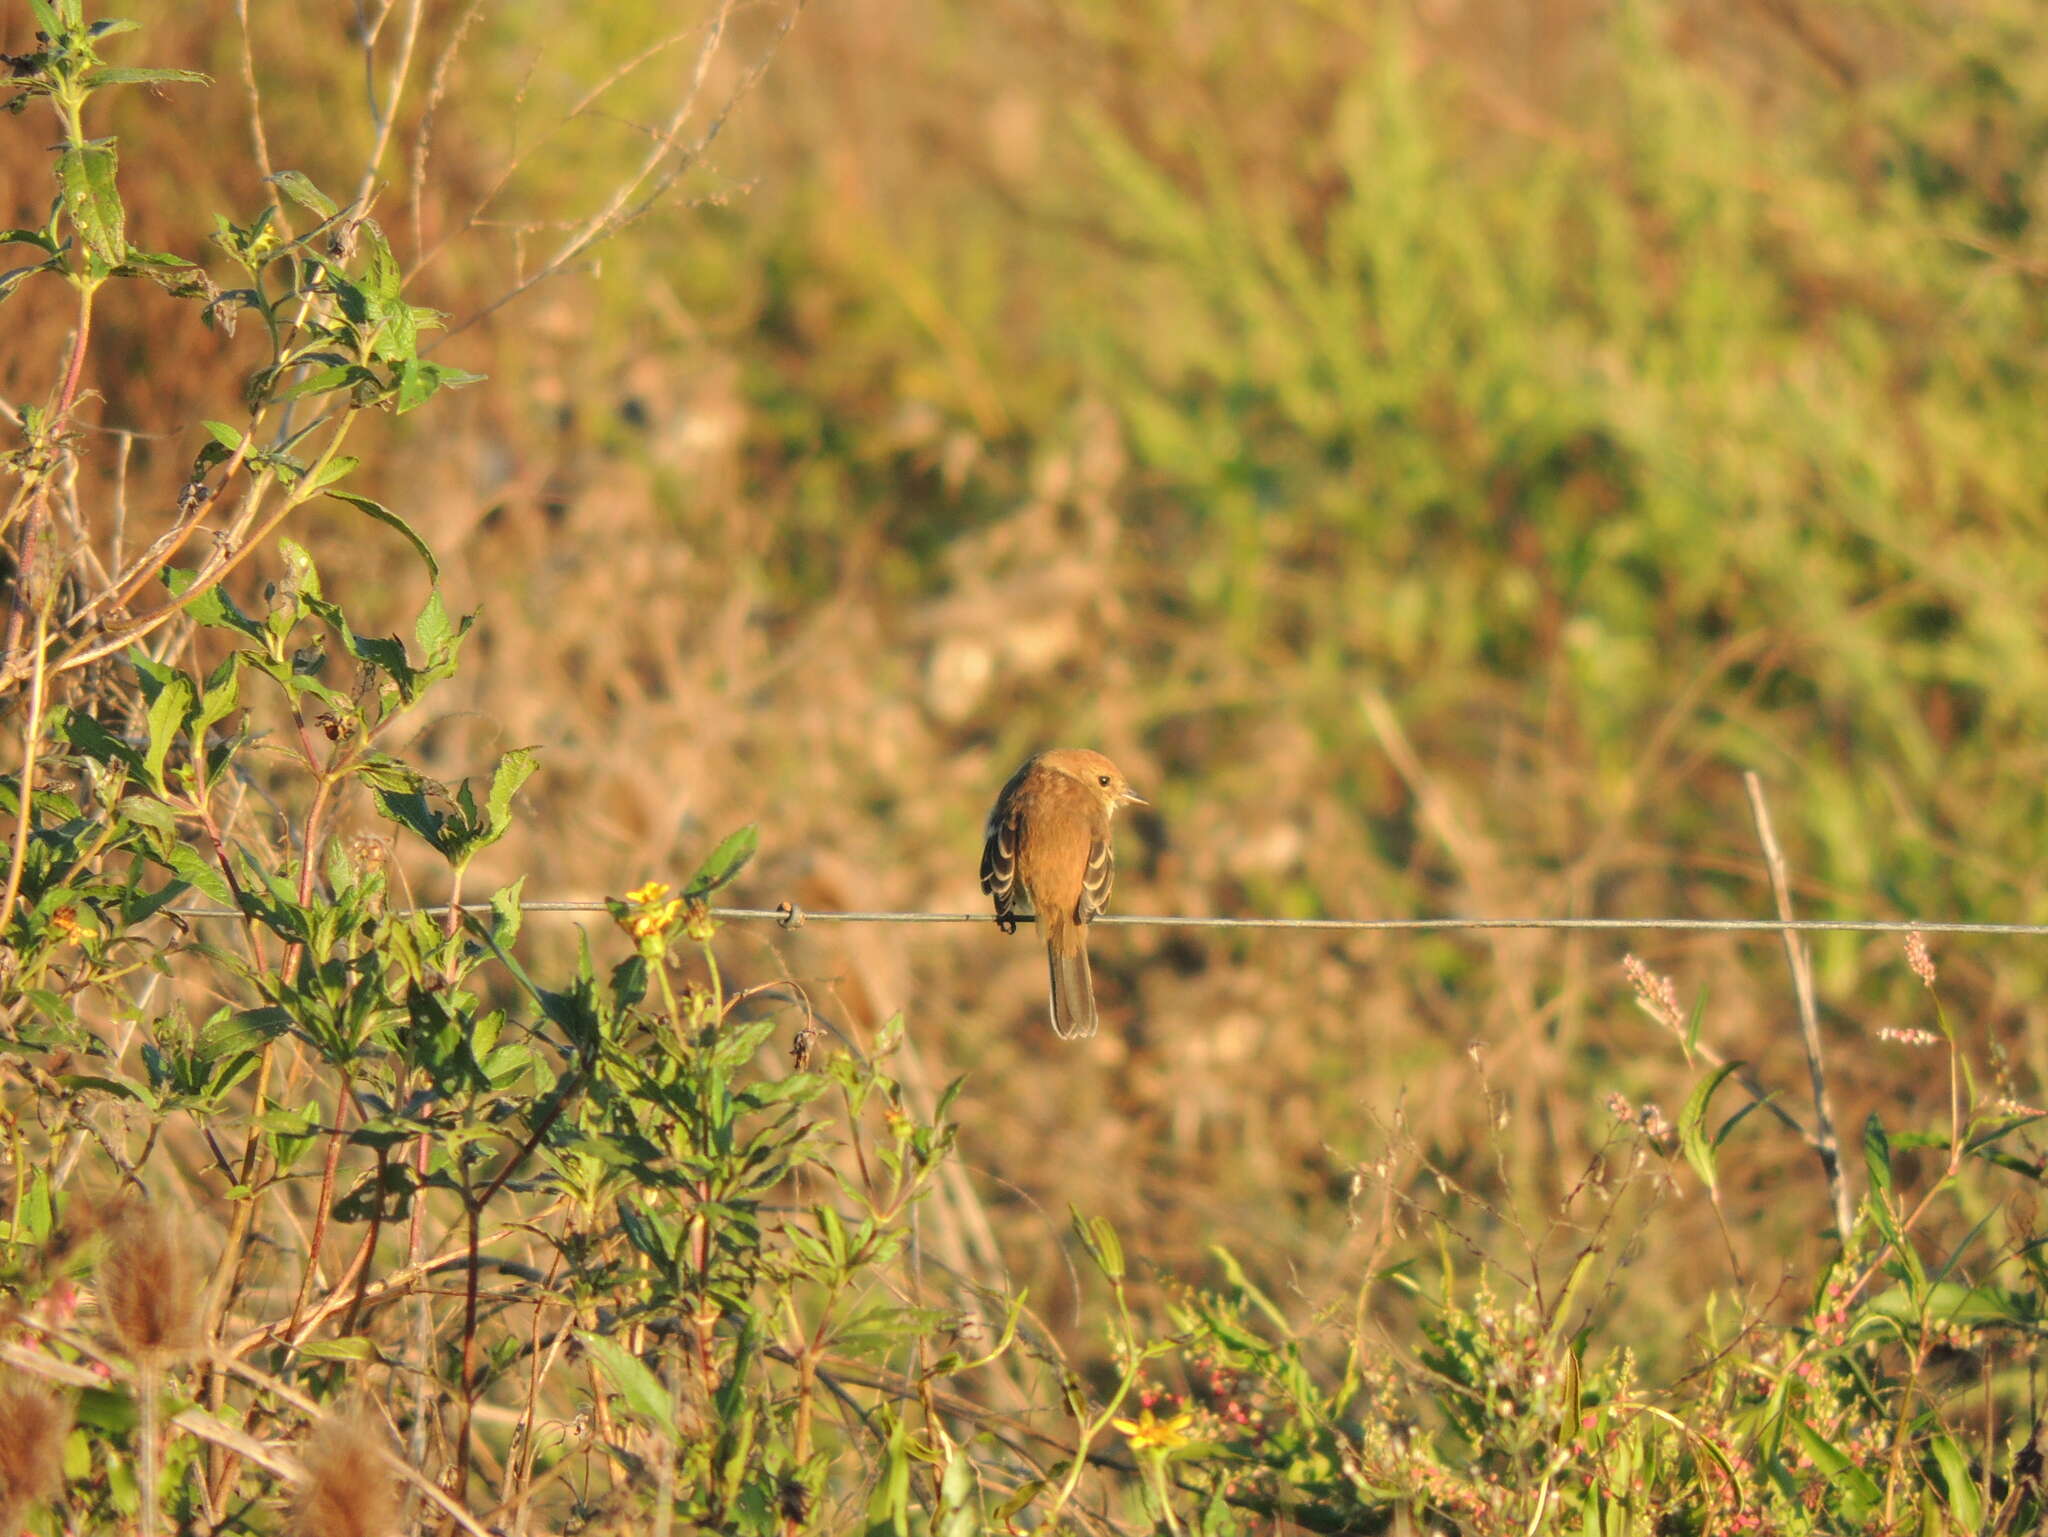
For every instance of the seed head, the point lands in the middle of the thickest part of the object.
(152, 1285)
(1918, 958)
(33, 1425)
(349, 1489)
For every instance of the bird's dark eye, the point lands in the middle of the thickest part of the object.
(1103, 780)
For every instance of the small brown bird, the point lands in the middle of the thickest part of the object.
(1048, 857)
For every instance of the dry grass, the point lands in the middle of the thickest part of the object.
(830, 546)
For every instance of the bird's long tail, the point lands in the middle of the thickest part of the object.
(1073, 988)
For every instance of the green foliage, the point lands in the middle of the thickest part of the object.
(605, 1264)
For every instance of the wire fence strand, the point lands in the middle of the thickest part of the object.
(790, 916)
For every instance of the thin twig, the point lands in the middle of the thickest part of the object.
(1801, 962)
(620, 208)
(25, 788)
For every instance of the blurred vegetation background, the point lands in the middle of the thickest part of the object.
(1435, 448)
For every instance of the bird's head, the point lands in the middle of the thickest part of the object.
(1103, 779)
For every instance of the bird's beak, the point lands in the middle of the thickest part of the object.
(1131, 797)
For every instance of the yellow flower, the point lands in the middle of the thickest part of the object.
(648, 913)
(1149, 1433)
(650, 921)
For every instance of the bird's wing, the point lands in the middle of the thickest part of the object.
(1096, 879)
(999, 858)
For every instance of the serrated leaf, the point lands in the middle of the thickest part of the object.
(380, 771)
(85, 172)
(409, 809)
(391, 519)
(641, 1389)
(724, 862)
(506, 913)
(418, 380)
(513, 770)
(432, 630)
(381, 276)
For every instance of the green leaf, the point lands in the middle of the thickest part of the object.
(380, 771)
(321, 380)
(168, 712)
(223, 692)
(153, 814)
(1859, 1494)
(725, 862)
(418, 380)
(94, 79)
(1692, 1138)
(959, 1513)
(223, 434)
(506, 913)
(386, 653)
(352, 1347)
(86, 734)
(382, 277)
(12, 278)
(334, 469)
(299, 187)
(213, 608)
(431, 630)
(109, 1410)
(1016, 1500)
(391, 519)
(1877, 1159)
(1692, 1023)
(513, 770)
(1965, 1499)
(195, 869)
(641, 1389)
(86, 175)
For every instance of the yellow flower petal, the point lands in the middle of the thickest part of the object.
(1148, 1432)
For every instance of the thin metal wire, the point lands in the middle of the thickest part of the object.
(790, 917)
